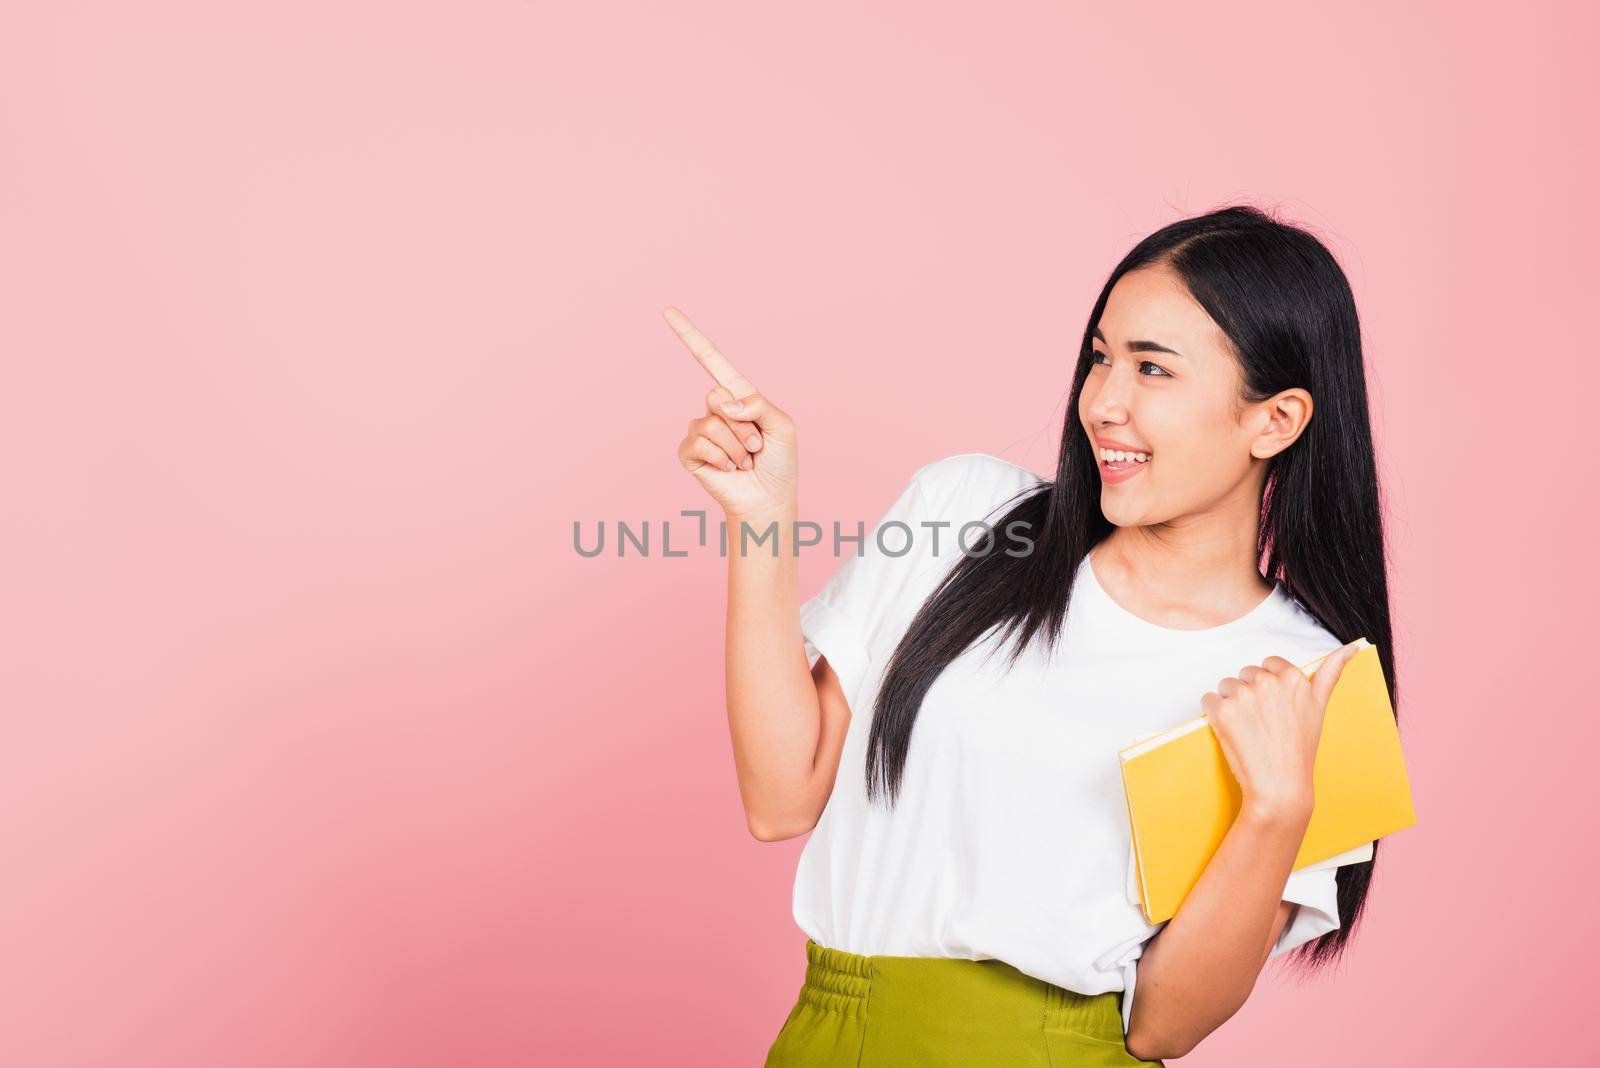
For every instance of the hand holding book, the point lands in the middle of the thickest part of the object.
(1268, 720)
(1184, 792)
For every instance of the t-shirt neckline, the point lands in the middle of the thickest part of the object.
(1092, 583)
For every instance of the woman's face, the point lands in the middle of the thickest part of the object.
(1203, 448)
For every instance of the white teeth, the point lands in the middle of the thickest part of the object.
(1120, 456)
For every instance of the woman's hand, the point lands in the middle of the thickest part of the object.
(1269, 720)
(746, 458)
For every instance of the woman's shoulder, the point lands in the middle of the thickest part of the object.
(970, 486)
(1298, 629)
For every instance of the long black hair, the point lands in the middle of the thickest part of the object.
(1286, 308)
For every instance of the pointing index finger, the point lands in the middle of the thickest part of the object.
(707, 354)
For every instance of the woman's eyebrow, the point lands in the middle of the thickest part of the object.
(1142, 346)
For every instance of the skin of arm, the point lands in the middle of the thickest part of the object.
(786, 721)
(1201, 967)
(1199, 970)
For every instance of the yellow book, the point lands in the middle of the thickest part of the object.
(1182, 796)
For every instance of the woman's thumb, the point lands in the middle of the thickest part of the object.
(1327, 674)
(759, 410)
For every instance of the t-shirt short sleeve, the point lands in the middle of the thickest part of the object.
(846, 619)
(859, 615)
(1315, 893)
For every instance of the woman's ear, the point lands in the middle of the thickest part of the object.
(1286, 416)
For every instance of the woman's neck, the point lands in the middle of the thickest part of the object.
(1194, 573)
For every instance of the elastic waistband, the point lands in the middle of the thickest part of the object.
(839, 981)
(836, 980)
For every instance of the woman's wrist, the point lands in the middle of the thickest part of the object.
(1291, 811)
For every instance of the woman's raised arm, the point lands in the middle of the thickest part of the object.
(743, 452)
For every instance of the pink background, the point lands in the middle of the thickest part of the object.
(323, 322)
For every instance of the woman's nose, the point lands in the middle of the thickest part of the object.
(1110, 401)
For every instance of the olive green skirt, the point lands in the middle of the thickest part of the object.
(928, 1012)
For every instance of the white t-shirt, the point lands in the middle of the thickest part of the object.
(1010, 839)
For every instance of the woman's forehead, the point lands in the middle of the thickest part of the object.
(1153, 305)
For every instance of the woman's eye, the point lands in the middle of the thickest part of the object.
(1156, 371)
(1146, 368)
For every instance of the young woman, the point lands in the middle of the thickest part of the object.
(1213, 523)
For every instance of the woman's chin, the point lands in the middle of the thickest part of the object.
(1122, 512)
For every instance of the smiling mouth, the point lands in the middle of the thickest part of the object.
(1122, 460)
(1119, 465)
